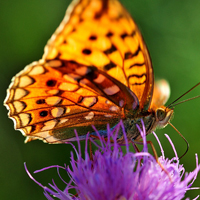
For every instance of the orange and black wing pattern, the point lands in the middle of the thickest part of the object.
(95, 70)
(103, 34)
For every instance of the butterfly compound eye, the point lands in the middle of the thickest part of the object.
(161, 114)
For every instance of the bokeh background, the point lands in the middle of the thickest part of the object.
(171, 30)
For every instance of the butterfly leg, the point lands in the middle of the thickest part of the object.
(90, 149)
(90, 145)
(135, 147)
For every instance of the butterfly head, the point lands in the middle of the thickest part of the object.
(163, 116)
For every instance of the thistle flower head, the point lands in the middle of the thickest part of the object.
(114, 175)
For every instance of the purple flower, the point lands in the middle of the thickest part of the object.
(114, 175)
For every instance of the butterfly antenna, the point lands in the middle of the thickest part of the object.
(172, 104)
(183, 101)
(182, 137)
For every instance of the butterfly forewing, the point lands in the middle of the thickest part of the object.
(105, 37)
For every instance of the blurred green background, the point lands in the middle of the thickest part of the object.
(171, 30)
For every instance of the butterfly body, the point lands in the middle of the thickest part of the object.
(95, 70)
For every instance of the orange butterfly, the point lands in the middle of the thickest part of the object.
(95, 70)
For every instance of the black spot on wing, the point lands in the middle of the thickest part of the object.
(109, 34)
(80, 99)
(86, 51)
(139, 83)
(33, 128)
(139, 77)
(123, 35)
(43, 113)
(133, 33)
(129, 55)
(40, 101)
(93, 37)
(109, 66)
(111, 50)
(136, 65)
(51, 83)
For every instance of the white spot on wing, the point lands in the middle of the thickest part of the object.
(44, 134)
(52, 101)
(100, 78)
(89, 116)
(51, 53)
(57, 112)
(108, 115)
(27, 129)
(63, 121)
(82, 70)
(112, 90)
(121, 103)
(25, 81)
(52, 139)
(18, 106)
(55, 63)
(37, 70)
(71, 77)
(53, 92)
(49, 125)
(114, 108)
(68, 86)
(24, 118)
(19, 93)
(107, 102)
(84, 81)
(89, 101)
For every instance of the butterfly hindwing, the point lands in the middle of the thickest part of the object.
(48, 98)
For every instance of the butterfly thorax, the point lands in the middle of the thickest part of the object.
(152, 119)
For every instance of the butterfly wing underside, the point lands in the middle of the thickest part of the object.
(103, 34)
(95, 70)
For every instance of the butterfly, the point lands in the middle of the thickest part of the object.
(95, 70)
